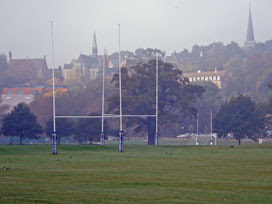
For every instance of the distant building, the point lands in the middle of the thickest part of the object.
(214, 77)
(14, 100)
(32, 71)
(12, 96)
(86, 67)
(95, 49)
(250, 39)
(33, 90)
(67, 71)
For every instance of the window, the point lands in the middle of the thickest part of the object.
(34, 92)
(210, 78)
(198, 78)
(19, 92)
(9, 92)
(214, 78)
(190, 79)
(194, 79)
(218, 78)
(206, 79)
(202, 78)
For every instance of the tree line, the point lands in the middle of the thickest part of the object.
(22, 123)
(179, 103)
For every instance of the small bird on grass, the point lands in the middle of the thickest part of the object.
(58, 159)
(70, 157)
(5, 168)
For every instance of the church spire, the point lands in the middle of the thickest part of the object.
(94, 50)
(250, 40)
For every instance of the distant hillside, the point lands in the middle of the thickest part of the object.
(247, 71)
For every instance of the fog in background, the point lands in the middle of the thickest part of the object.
(166, 24)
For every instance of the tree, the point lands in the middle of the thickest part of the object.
(239, 116)
(64, 128)
(148, 53)
(21, 122)
(88, 129)
(3, 109)
(249, 76)
(3, 63)
(176, 96)
(210, 101)
(81, 102)
(59, 74)
(5, 80)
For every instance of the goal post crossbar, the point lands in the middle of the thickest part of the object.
(108, 116)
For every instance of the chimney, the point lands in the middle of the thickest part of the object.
(215, 69)
(10, 56)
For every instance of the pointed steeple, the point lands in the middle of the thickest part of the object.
(250, 40)
(94, 50)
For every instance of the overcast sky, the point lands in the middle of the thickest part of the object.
(166, 24)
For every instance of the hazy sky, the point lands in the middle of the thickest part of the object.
(166, 24)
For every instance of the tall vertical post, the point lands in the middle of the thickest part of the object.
(211, 129)
(214, 137)
(121, 132)
(157, 101)
(54, 134)
(197, 123)
(102, 136)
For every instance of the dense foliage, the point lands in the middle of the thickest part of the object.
(176, 96)
(75, 102)
(5, 79)
(64, 128)
(211, 100)
(240, 117)
(21, 122)
(250, 76)
(89, 129)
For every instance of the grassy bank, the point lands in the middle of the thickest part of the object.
(142, 174)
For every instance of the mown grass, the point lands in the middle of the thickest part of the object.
(142, 174)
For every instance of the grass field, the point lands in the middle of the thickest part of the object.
(142, 174)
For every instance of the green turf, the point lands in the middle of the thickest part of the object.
(142, 174)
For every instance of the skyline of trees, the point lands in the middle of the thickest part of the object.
(247, 73)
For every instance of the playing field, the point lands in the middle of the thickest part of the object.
(142, 174)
